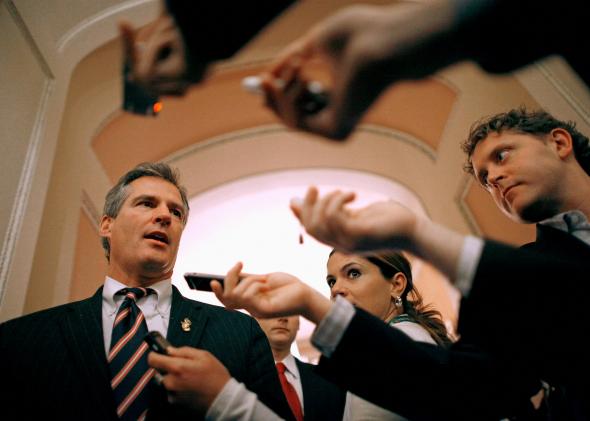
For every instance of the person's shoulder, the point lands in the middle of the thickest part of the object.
(303, 364)
(218, 311)
(415, 331)
(45, 315)
(307, 370)
(306, 367)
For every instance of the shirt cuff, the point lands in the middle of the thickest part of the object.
(467, 264)
(236, 403)
(329, 332)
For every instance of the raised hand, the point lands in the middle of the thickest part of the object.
(158, 58)
(271, 295)
(366, 48)
(381, 225)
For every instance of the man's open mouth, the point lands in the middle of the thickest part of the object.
(158, 236)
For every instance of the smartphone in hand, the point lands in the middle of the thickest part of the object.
(202, 281)
(157, 342)
(136, 99)
(314, 98)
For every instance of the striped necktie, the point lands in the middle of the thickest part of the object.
(130, 373)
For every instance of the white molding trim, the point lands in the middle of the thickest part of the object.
(21, 25)
(103, 16)
(565, 91)
(90, 210)
(23, 190)
(246, 134)
(463, 190)
(384, 131)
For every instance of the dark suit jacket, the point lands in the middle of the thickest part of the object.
(543, 310)
(55, 365)
(323, 401)
(479, 37)
(421, 381)
(212, 33)
(519, 324)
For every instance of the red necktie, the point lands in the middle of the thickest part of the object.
(290, 393)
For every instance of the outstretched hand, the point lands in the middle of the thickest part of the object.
(381, 225)
(270, 295)
(366, 48)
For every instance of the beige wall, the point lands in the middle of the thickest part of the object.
(25, 88)
(42, 42)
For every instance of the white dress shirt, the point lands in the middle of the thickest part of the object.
(155, 307)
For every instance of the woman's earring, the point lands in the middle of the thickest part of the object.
(398, 301)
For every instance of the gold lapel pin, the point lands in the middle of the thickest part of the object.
(186, 324)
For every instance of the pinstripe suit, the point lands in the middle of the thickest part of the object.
(54, 364)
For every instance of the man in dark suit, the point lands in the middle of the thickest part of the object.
(515, 304)
(319, 399)
(55, 361)
(516, 321)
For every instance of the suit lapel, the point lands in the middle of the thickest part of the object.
(187, 321)
(308, 387)
(552, 239)
(82, 332)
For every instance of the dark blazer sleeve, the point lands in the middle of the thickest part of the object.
(523, 21)
(322, 400)
(423, 381)
(527, 297)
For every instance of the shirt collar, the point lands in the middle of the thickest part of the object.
(162, 300)
(291, 365)
(569, 221)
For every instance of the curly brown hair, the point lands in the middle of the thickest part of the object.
(520, 120)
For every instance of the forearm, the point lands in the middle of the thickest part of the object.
(235, 402)
(316, 306)
(419, 40)
(438, 245)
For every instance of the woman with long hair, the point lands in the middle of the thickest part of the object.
(382, 284)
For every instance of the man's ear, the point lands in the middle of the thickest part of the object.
(564, 144)
(106, 223)
(398, 283)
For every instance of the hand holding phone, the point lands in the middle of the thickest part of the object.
(202, 281)
(314, 99)
(157, 342)
(135, 98)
